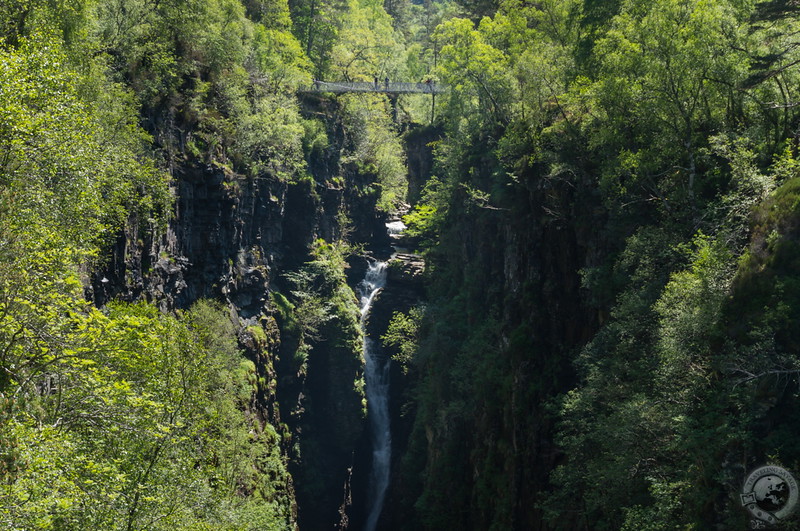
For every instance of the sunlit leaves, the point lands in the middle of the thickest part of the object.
(376, 147)
(474, 68)
(279, 60)
(402, 336)
(126, 420)
(56, 152)
(120, 417)
(270, 137)
(668, 72)
(689, 310)
(316, 24)
(205, 73)
(368, 47)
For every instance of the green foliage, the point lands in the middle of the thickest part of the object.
(367, 46)
(650, 145)
(375, 147)
(402, 335)
(321, 298)
(765, 283)
(269, 138)
(651, 135)
(212, 81)
(634, 415)
(120, 418)
(316, 24)
(57, 162)
(664, 81)
(419, 29)
(420, 223)
(477, 70)
(131, 419)
(209, 79)
(315, 139)
(326, 345)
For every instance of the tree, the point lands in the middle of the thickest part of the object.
(316, 25)
(367, 47)
(668, 76)
(476, 70)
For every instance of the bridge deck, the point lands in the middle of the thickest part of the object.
(388, 88)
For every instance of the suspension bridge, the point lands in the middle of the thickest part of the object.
(386, 87)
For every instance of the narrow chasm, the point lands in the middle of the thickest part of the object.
(391, 284)
(377, 389)
(399, 264)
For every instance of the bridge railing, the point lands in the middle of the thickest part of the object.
(393, 87)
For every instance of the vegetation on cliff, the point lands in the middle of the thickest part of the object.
(124, 417)
(607, 344)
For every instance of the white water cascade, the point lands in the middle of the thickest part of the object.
(395, 227)
(377, 388)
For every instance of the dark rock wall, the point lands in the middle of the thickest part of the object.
(231, 239)
(419, 153)
(505, 315)
(225, 236)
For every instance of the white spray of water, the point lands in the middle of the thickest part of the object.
(395, 227)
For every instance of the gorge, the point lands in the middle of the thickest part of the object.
(545, 276)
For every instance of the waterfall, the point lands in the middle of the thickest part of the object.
(395, 227)
(377, 387)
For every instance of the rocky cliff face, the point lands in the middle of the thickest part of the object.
(232, 238)
(418, 140)
(506, 313)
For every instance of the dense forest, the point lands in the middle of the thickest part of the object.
(595, 323)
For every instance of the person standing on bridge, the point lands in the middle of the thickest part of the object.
(387, 82)
(376, 82)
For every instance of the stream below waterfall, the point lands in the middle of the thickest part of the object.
(377, 388)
